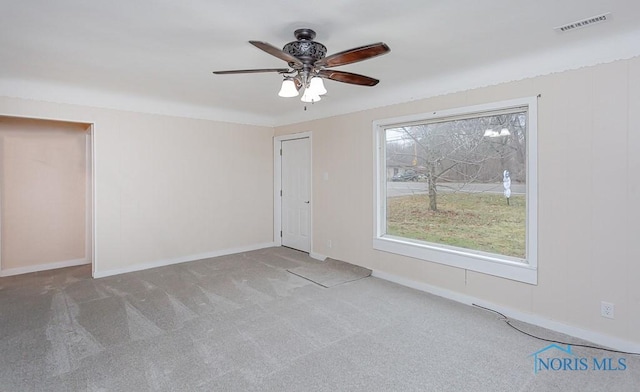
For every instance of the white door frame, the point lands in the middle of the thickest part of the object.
(90, 199)
(90, 188)
(277, 186)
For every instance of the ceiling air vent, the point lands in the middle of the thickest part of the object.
(583, 23)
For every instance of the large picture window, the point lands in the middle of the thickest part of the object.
(459, 187)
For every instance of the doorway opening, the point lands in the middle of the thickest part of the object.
(46, 200)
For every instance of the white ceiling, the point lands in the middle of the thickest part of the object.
(157, 55)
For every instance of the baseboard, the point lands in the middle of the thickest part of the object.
(178, 260)
(588, 335)
(43, 267)
(317, 256)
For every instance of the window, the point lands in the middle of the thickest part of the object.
(458, 187)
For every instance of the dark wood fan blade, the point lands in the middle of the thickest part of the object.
(272, 50)
(348, 77)
(353, 55)
(244, 71)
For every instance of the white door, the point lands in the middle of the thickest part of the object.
(296, 193)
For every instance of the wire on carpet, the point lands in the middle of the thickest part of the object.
(508, 322)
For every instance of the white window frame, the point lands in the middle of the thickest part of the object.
(522, 270)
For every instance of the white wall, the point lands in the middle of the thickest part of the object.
(170, 189)
(589, 188)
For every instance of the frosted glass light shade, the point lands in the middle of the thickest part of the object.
(309, 96)
(288, 89)
(317, 86)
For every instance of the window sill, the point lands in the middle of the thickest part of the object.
(484, 263)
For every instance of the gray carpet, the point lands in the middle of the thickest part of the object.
(243, 323)
(330, 272)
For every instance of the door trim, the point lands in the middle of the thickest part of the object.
(277, 185)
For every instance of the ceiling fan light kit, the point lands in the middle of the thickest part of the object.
(308, 65)
(288, 89)
(310, 96)
(317, 85)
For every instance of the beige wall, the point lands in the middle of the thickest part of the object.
(169, 189)
(43, 173)
(589, 188)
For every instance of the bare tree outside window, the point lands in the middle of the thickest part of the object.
(445, 182)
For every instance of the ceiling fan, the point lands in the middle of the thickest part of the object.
(309, 64)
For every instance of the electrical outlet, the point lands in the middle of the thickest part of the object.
(607, 309)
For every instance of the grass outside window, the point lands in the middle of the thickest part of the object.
(475, 221)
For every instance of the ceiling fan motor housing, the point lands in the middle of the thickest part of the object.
(305, 49)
